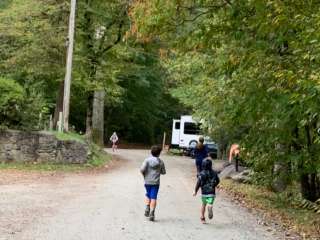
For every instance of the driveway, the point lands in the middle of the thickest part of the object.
(110, 206)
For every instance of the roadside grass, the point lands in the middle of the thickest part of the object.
(177, 152)
(68, 136)
(281, 207)
(98, 160)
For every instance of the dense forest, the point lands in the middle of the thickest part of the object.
(33, 42)
(250, 69)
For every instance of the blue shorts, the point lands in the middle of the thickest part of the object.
(152, 191)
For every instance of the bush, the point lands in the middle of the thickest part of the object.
(11, 100)
(19, 109)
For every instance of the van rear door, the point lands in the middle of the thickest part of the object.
(175, 132)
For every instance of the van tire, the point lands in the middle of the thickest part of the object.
(193, 142)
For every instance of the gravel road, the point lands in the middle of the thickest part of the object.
(110, 206)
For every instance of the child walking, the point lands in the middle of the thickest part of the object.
(114, 139)
(208, 180)
(151, 170)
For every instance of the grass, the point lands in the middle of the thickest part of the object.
(98, 160)
(281, 207)
(42, 167)
(175, 152)
(68, 136)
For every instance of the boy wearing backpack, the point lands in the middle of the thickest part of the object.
(208, 180)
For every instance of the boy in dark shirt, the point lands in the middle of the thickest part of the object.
(207, 180)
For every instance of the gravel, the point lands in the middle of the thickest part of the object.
(110, 205)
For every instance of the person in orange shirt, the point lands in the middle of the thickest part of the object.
(235, 154)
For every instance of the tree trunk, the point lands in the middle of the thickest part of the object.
(59, 105)
(310, 181)
(98, 118)
(89, 117)
(310, 186)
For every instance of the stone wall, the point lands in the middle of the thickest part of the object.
(18, 146)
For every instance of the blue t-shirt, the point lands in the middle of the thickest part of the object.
(201, 154)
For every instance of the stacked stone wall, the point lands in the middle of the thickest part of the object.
(18, 146)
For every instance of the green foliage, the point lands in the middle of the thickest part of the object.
(138, 105)
(11, 100)
(32, 54)
(98, 158)
(18, 108)
(69, 136)
(147, 109)
(250, 70)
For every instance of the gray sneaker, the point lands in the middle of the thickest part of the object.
(151, 216)
(147, 211)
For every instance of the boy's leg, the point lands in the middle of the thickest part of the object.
(153, 195)
(237, 163)
(153, 203)
(210, 212)
(147, 210)
(147, 201)
(210, 201)
(203, 211)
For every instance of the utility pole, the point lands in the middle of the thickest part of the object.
(67, 80)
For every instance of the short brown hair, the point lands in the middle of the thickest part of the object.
(156, 150)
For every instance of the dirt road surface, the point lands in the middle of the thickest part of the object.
(110, 206)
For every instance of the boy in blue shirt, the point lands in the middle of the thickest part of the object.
(201, 152)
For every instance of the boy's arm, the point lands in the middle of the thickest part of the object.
(143, 167)
(163, 168)
(197, 186)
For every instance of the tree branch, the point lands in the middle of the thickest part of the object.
(117, 40)
(191, 9)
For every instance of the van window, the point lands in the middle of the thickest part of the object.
(177, 125)
(191, 128)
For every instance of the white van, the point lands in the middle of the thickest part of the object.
(186, 133)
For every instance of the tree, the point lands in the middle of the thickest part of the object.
(32, 50)
(250, 69)
(101, 27)
(107, 59)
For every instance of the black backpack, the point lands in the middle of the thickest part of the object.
(209, 180)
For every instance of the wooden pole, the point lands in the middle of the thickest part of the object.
(60, 122)
(164, 140)
(67, 80)
(50, 123)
